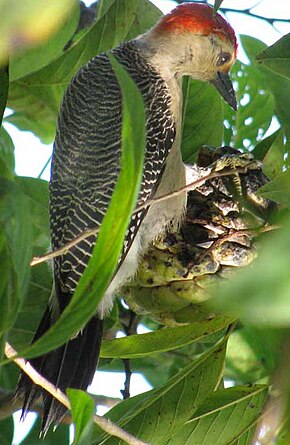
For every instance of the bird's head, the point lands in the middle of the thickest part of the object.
(198, 43)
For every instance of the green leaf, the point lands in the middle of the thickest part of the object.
(202, 118)
(59, 436)
(29, 22)
(146, 16)
(277, 84)
(36, 191)
(224, 418)
(280, 87)
(255, 108)
(278, 189)
(7, 161)
(9, 376)
(262, 148)
(6, 431)
(284, 434)
(15, 251)
(32, 308)
(102, 265)
(36, 298)
(253, 47)
(27, 61)
(82, 410)
(274, 159)
(36, 98)
(277, 57)
(260, 294)
(165, 339)
(252, 353)
(156, 415)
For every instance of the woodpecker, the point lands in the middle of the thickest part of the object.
(190, 41)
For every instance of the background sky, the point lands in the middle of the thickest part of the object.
(32, 157)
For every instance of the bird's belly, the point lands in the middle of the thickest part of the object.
(126, 271)
(170, 211)
(160, 216)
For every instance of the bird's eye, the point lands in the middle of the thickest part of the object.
(223, 58)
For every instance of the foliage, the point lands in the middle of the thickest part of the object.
(188, 403)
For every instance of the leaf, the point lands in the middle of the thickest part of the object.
(8, 377)
(284, 434)
(280, 87)
(15, 251)
(82, 410)
(262, 148)
(225, 416)
(59, 436)
(146, 16)
(202, 118)
(40, 284)
(260, 294)
(6, 431)
(29, 60)
(278, 189)
(35, 99)
(165, 339)
(32, 308)
(277, 84)
(277, 57)
(157, 414)
(101, 267)
(252, 353)
(29, 22)
(253, 47)
(274, 159)
(36, 191)
(7, 161)
(255, 108)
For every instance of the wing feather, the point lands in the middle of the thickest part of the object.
(87, 154)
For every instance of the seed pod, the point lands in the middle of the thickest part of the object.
(224, 215)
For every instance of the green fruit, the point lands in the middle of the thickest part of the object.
(181, 271)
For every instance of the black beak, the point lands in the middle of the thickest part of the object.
(223, 84)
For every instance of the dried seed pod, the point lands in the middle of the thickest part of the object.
(218, 235)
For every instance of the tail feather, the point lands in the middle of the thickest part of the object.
(25, 388)
(71, 366)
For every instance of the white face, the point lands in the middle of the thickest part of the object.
(201, 57)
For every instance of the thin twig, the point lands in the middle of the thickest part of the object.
(64, 249)
(104, 423)
(128, 373)
(246, 11)
(129, 330)
(94, 230)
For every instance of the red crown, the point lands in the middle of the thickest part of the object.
(199, 19)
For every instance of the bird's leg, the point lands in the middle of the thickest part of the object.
(237, 164)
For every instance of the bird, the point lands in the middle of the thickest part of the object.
(192, 41)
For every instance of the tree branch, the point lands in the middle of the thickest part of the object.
(247, 11)
(94, 230)
(104, 423)
(129, 329)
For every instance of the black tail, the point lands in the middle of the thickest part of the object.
(71, 366)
